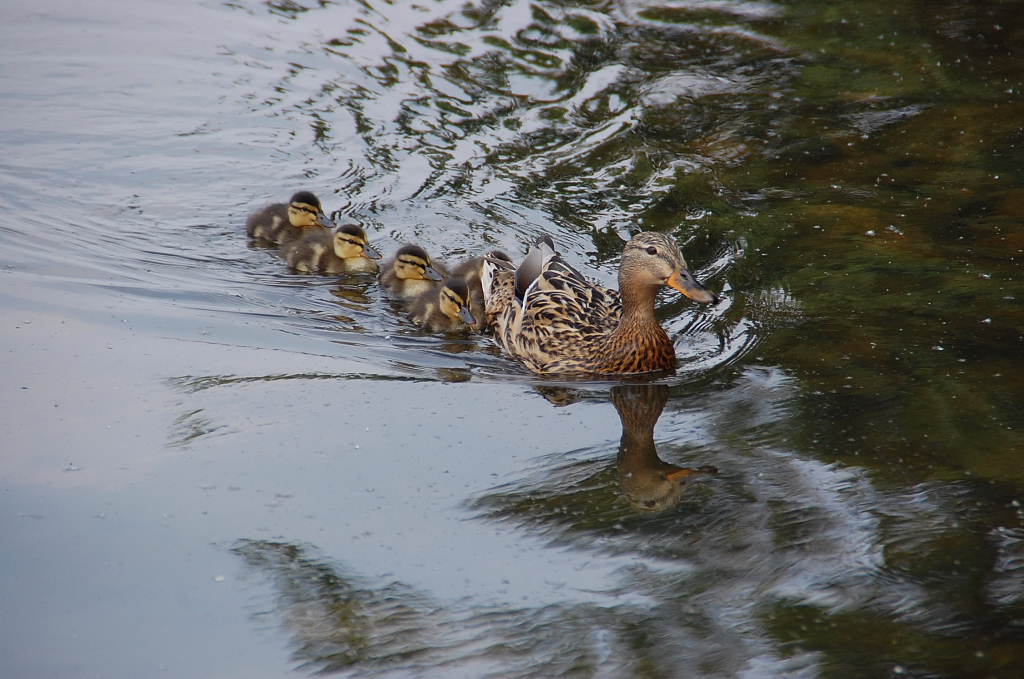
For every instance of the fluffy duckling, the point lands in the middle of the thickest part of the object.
(410, 273)
(284, 222)
(445, 310)
(347, 250)
(471, 271)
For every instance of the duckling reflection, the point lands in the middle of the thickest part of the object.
(559, 396)
(649, 483)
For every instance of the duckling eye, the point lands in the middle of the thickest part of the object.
(652, 250)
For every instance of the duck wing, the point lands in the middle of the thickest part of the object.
(592, 303)
(561, 314)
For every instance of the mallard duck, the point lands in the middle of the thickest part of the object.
(471, 271)
(347, 250)
(555, 321)
(445, 310)
(284, 222)
(410, 273)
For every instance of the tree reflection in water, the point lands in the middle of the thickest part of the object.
(343, 622)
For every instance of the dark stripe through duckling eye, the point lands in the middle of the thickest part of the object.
(412, 262)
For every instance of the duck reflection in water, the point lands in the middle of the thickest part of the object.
(649, 483)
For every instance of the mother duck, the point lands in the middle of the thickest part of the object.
(546, 314)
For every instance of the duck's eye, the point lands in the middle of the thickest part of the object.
(652, 250)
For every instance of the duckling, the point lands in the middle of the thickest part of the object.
(471, 271)
(555, 321)
(284, 222)
(410, 273)
(346, 251)
(445, 310)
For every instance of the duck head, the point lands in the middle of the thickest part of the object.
(350, 241)
(304, 210)
(653, 259)
(454, 300)
(413, 263)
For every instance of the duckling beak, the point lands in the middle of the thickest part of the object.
(324, 220)
(684, 282)
(466, 315)
(369, 253)
(432, 274)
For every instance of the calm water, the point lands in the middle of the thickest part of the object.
(211, 467)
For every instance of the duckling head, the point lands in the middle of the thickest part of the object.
(653, 259)
(454, 300)
(350, 241)
(413, 263)
(304, 210)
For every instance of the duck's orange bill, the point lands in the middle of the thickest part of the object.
(684, 282)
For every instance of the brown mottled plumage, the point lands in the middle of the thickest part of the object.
(284, 222)
(555, 321)
(411, 272)
(445, 309)
(347, 250)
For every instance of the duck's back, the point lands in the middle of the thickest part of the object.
(310, 253)
(426, 312)
(267, 222)
(563, 315)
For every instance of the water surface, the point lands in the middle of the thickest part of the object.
(214, 467)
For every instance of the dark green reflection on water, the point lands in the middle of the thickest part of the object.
(341, 622)
(892, 213)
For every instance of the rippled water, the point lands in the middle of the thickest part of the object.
(214, 467)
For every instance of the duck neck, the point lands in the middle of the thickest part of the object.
(639, 343)
(637, 303)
